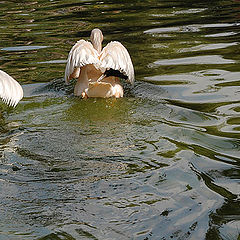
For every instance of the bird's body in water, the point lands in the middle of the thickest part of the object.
(11, 91)
(98, 70)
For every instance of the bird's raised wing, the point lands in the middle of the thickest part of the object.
(81, 54)
(115, 56)
(11, 91)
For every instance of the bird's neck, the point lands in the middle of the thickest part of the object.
(98, 46)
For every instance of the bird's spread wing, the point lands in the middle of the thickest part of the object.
(11, 91)
(82, 53)
(115, 56)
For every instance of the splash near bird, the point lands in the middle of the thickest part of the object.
(98, 70)
(11, 91)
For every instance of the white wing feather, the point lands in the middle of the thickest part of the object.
(82, 53)
(116, 56)
(11, 91)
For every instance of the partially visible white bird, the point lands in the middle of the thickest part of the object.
(98, 70)
(11, 91)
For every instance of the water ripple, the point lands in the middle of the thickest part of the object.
(23, 48)
(206, 60)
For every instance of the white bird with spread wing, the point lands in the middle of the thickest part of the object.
(11, 91)
(98, 70)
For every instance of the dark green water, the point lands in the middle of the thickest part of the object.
(161, 163)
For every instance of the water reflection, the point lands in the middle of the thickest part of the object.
(161, 163)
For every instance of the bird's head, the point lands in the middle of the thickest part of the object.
(96, 39)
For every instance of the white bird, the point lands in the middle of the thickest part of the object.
(11, 91)
(98, 70)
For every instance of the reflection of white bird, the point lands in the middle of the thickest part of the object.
(11, 91)
(98, 70)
